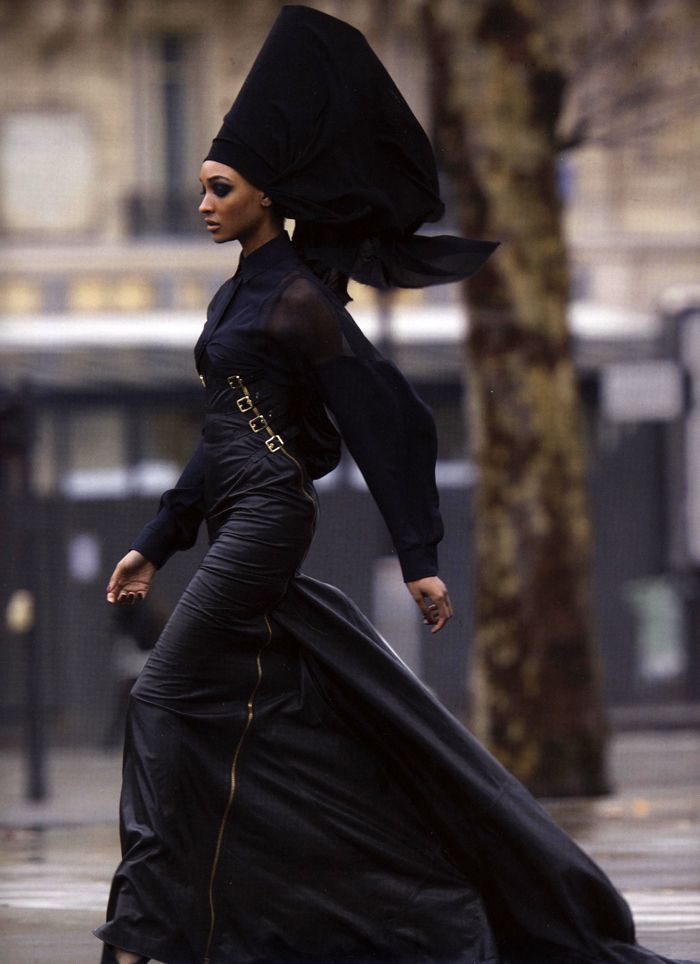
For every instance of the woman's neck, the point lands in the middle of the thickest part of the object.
(248, 245)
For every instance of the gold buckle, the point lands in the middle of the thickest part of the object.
(235, 381)
(258, 423)
(274, 443)
(245, 403)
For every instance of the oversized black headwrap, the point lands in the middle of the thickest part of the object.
(320, 126)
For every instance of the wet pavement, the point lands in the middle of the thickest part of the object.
(57, 857)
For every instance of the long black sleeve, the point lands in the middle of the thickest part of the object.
(180, 514)
(387, 428)
(391, 435)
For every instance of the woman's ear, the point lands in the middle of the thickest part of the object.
(266, 201)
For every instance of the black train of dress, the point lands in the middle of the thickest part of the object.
(292, 793)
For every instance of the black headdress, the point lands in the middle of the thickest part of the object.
(320, 126)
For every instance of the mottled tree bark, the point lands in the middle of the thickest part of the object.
(536, 695)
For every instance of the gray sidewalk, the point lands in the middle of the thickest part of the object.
(58, 857)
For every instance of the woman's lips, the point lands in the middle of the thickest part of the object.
(212, 225)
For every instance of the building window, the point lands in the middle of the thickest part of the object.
(61, 202)
(167, 142)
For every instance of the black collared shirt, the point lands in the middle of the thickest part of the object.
(275, 315)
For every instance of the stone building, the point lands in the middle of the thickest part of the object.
(105, 114)
(108, 107)
(633, 188)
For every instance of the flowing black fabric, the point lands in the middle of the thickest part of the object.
(234, 750)
(292, 794)
(393, 261)
(545, 900)
(257, 826)
(321, 127)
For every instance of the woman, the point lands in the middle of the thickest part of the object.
(292, 794)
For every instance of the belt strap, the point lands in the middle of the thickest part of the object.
(257, 422)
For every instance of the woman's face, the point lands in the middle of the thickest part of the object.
(234, 210)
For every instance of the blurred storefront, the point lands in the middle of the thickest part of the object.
(641, 397)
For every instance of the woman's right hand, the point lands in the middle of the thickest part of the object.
(433, 601)
(132, 578)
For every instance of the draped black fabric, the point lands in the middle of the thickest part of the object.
(546, 901)
(258, 826)
(393, 261)
(320, 126)
(292, 793)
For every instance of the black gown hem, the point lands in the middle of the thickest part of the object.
(148, 949)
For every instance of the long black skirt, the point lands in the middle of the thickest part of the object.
(292, 794)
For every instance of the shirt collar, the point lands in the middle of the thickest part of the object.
(264, 257)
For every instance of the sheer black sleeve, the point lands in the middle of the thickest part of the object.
(387, 428)
(180, 514)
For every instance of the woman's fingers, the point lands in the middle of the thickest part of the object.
(426, 606)
(422, 603)
(124, 587)
(128, 595)
(433, 600)
(114, 586)
(441, 612)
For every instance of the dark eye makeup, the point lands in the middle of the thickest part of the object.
(220, 189)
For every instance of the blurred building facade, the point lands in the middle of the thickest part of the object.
(118, 102)
(633, 211)
(106, 273)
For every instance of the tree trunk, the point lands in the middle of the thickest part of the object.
(536, 694)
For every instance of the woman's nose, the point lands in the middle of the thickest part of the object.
(205, 204)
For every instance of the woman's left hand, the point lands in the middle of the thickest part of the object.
(433, 601)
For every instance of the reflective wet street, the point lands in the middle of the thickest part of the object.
(58, 857)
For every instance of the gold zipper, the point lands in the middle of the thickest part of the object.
(301, 477)
(232, 788)
(273, 446)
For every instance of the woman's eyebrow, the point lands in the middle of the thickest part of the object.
(215, 177)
